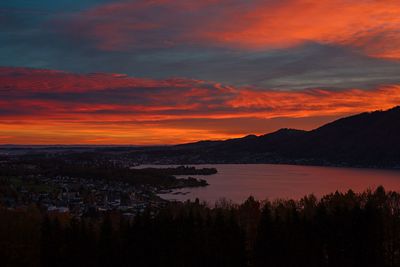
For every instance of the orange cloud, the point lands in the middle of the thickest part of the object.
(370, 26)
(50, 107)
(316, 102)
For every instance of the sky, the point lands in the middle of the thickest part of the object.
(150, 72)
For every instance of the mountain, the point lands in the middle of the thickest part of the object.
(368, 139)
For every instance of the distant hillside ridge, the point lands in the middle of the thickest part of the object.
(370, 139)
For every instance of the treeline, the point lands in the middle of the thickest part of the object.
(337, 230)
(104, 170)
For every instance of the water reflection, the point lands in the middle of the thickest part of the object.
(238, 181)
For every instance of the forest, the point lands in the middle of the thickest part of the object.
(102, 169)
(339, 229)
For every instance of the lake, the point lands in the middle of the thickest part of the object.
(237, 182)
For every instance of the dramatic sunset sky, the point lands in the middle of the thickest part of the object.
(174, 71)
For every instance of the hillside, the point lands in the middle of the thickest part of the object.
(367, 139)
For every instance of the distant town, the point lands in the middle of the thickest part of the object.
(85, 186)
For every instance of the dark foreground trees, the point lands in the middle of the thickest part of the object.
(337, 230)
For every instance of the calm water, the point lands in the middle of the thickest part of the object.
(236, 182)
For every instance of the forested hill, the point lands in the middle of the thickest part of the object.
(368, 139)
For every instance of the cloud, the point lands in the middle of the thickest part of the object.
(188, 42)
(369, 26)
(265, 62)
(59, 107)
(310, 65)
